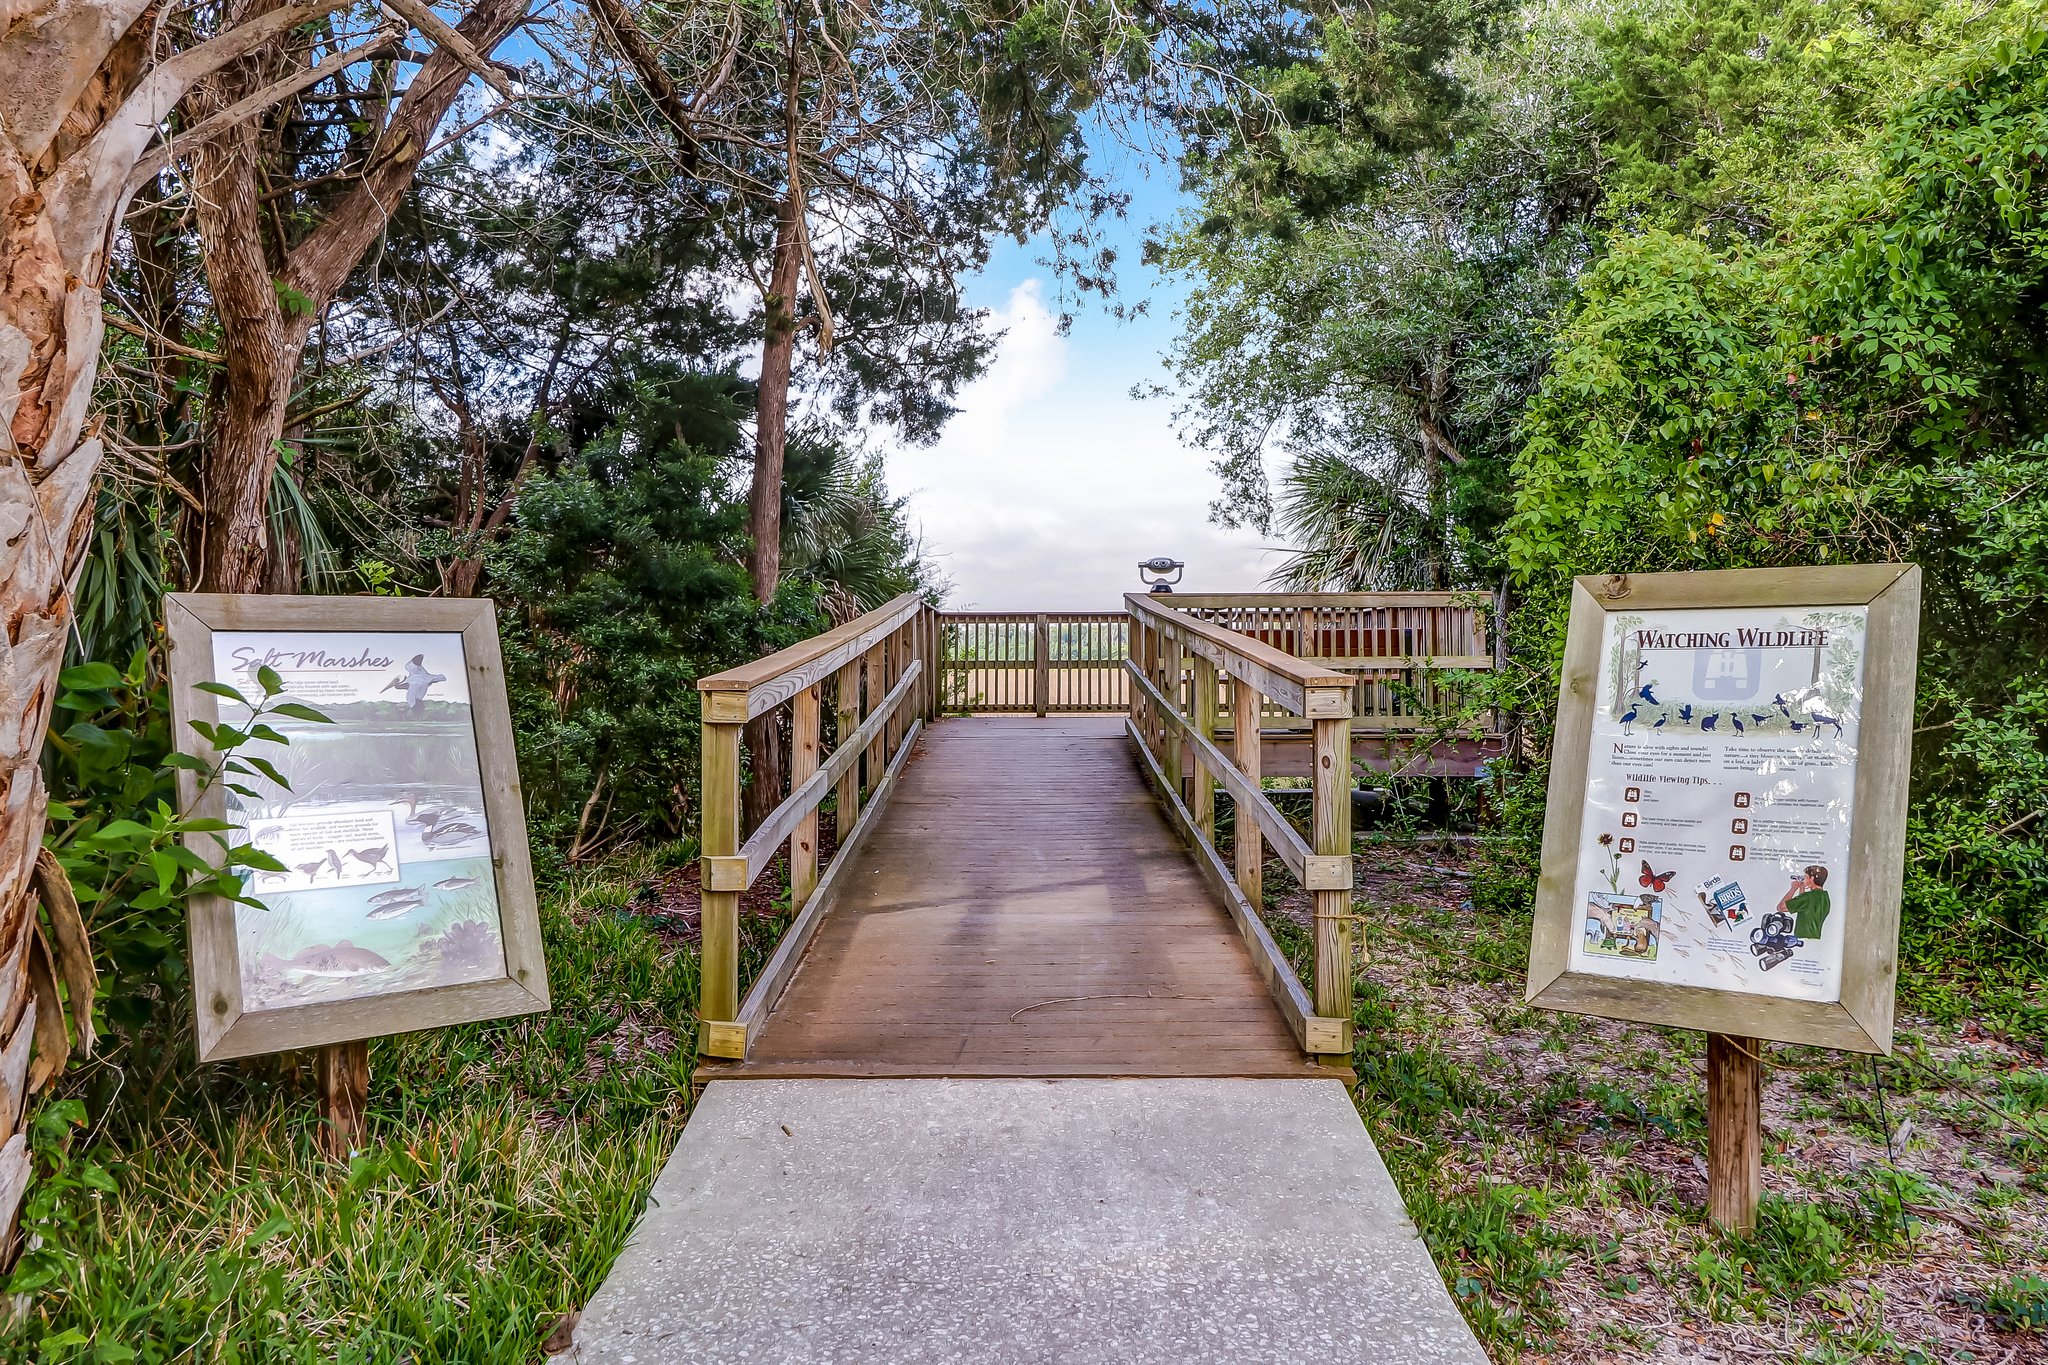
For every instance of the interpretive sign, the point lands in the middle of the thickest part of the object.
(1725, 834)
(405, 895)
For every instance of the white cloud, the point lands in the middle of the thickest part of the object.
(1052, 482)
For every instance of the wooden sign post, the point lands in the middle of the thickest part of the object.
(362, 746)
(1725, 837)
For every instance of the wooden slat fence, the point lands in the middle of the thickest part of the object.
(1034, 663)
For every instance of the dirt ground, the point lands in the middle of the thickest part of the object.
(1557, 1164)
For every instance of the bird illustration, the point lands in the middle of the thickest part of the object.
(1797, 725)
(1685, 713)
(1707, 721)
(1627, 718)
(426, 819)
(1820, 719)
(334, 861)
(416, 682)
(311, 871)
(1758, 718)
(1646, 694)
(372, 858)
(1736, 721)
(1660, 722)
(450, 832)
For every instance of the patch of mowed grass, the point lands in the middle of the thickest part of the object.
(504, 1165)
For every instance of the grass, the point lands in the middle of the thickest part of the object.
(1556, 1165)
(505, 1165)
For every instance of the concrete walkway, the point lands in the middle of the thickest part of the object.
(898, 1221)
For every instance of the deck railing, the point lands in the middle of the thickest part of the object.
(1397, 645)
(880, 670)
(1181, 668)
(1033, 662)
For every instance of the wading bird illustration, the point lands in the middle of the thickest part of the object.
(1820, 719)
(372, 858)
(416, 682)
(426, 819)
(1660, 722)
(451, 832)
(1627, 719)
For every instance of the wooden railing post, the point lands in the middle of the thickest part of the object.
(1203, 806)
(846, 714)
(1244, 743)
(718, 990)
(876, 664)
(1332, 836)
(1041, 662)
(803, 761)
(1169, 687)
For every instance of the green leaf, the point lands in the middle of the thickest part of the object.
(299, 711)
(93, 677)
(221, 689)
(268, 677)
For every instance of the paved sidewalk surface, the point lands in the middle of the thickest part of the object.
(900, 1221)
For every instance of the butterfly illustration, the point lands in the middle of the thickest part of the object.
(1655, 880)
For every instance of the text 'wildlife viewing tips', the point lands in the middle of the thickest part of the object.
(1719, 799)
(388, 882)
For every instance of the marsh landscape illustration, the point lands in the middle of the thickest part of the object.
(388, 882)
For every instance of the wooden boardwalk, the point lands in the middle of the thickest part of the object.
(1024, 909)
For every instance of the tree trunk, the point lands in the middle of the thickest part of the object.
(763, 791)
(258, 358)
(771, 430)
(84, 97)
(267, 310)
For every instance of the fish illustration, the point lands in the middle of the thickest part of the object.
(393, 909)
(398, 893)
(454, 883)
(337, 960)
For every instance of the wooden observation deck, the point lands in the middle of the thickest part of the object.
(1028, 880)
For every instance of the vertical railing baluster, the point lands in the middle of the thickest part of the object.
(718, 835)
(1331, 829)
(803, 761)
(1204, 804)
(1244, 741)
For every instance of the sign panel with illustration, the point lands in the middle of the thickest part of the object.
(396, 892)
(1722, 846)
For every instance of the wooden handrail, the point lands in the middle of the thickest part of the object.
(1296, 684)
(736, 872)
(745, 692)
(880, 668)
(1174, 655)
(1216, 600)
(1314, 872)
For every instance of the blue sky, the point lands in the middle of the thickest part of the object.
(1053, 482)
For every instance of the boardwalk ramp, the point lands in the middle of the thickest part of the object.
(1027, 1078)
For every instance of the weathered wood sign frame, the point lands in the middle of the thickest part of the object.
(225, 1027)
(1861, 1020)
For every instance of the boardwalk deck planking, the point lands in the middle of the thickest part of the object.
(1024, 910)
